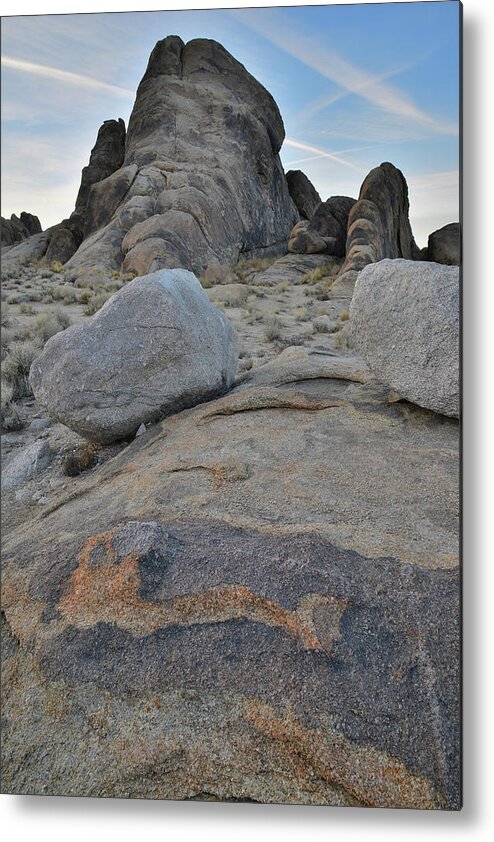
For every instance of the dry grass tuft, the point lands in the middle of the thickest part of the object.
(81, 459)
(96, 303)
(47, 324)
(16, 367)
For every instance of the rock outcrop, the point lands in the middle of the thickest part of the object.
(378, 224)
(156, 347)
(444, 245)
(107, 156)
(303, 193)
(201, 181)
(16, 229)
(326, 231)
(405, 322)
(236, 607)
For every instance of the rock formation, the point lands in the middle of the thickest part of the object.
(444, 245)
(405, 322)
(378, 224)
(326, 231)
(303, 193)
(156, 347)
(201, 181)
(16, 229)
(106, 157)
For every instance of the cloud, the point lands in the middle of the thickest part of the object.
(65, 76)
(434, 201)
(350, 77)
(323, 102)
(320, 153)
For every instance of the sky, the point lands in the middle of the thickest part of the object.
(356, 85)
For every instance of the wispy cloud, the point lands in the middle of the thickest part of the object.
(330, 64)
(320, 153)
(323, 102)
(65, 76)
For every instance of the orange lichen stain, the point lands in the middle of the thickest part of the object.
(108, 591)
(372, 777)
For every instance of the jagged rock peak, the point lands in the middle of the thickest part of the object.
(201, 182)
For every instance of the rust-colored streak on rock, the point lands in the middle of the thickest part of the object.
(104, 590)
(372, 777)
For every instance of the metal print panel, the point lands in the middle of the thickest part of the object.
(230, 405)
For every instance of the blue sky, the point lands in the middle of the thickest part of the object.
(356, 85)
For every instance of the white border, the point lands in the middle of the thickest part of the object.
(77, 819)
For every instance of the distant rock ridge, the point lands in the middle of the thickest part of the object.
(16, 229)
(201, 181)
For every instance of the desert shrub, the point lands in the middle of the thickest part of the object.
(321, 292)
(216, 274)
(245, 364)
(14, 299)
(325, 273)
(66, 294)
(80, 459)
(47, 324)
(96, 303)
(301, 314)
(12, 416)
(5, 316)
(236, 297)
(343, 338)
(322, 325)
(26, 309)
(35, 296)
(283, 286)
(344, 315)
(47, 298)
(56, 266)
(16, 366)
(85, 296)
(256, 264)
(272, 330)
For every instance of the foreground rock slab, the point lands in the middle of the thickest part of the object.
(236, 606)
(156, 347)
(405, 323)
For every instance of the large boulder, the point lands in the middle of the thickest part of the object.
(326, 231)
(303, 193)
(202, 152)
(444, 245)
(405, 322)
(61, 247)
(156, 347)
(378, 223)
